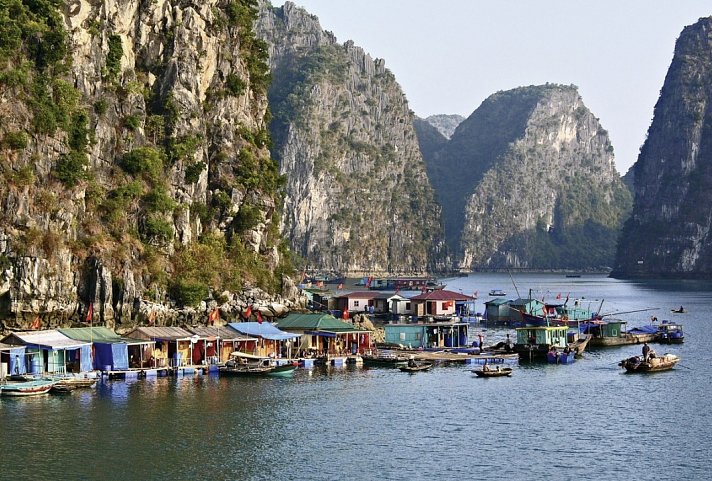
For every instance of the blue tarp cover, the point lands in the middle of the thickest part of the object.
(265, 330)
(644, 330)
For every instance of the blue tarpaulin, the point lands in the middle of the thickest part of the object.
(264, 330)
(17, 361)
(114, 354)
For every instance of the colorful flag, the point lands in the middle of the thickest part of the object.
(214, 316)
(151, 317)
(341, 286)
(90, 313)
(36, 323)
(259, 317)
(248, 312)
(346, 313)
(558, 296)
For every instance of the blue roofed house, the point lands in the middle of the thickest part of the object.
(50, 351)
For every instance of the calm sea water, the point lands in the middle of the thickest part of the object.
(582, 421)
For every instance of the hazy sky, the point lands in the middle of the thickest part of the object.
(450, 55)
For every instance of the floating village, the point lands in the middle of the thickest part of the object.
(407, 323)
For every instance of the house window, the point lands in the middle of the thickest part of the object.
(418, 336)
(355, 303)
(407, 306)
(402, 336)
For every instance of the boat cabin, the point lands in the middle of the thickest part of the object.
(549, 336)
(497, 310)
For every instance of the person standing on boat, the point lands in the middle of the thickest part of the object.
(646, 351)
(481, 342)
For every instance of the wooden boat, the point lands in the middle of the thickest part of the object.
(243, 364)
(497, 292)
(383, 359)
(493, 372)
(69, 384)
(418, 367)
(653, 364)
(27, 388)
(679, 311)
(579, 345)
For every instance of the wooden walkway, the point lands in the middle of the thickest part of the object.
(464, 358)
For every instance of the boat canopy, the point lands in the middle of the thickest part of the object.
(264, 330)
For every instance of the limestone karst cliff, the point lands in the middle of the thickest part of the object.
(528, 181)
(669, 232)
(135, 166)
(357, 198)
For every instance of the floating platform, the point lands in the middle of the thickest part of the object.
(444, 356)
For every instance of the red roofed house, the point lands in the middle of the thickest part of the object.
(439, 302)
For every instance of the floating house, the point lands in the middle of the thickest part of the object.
(357, 302)
(325, 334)
(175, 347)
(427, 334)
(112, 352)
(498, 311)
(220, 342)
(272, 341)
(534, 342)
(50, 351)
(438, 303)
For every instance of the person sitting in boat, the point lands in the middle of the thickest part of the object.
(411, 362)
(486, 367)
(652, 355)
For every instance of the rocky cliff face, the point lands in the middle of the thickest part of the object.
(134, 159)
(528, 181)
(357, 198)
(669, 232)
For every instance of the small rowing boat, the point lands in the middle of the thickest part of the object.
(418, 367)
(493, 372)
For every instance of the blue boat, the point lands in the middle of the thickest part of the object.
(670, 333)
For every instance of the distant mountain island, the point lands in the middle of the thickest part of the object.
(528, 181)
(445, 123)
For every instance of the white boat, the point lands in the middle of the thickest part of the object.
(497, 292)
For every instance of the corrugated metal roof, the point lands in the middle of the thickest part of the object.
(51, 338)
(225, 333)
(161, 333)
(359, 295)
(315, 322)
(442, 295)
(98, 334)
(265, 330)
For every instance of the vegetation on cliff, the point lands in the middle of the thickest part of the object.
(133, 157)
